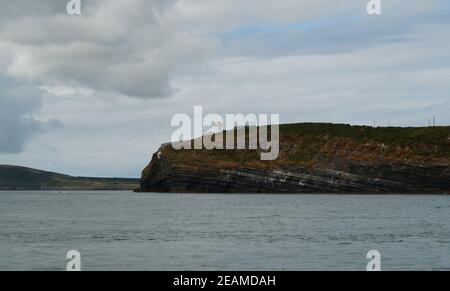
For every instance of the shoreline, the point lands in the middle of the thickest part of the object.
(228, 194)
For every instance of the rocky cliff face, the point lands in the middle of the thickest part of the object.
(314, 158)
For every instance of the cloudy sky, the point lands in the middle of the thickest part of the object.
(94, 94)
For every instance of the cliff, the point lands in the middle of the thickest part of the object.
(314, 158)
(21, 178)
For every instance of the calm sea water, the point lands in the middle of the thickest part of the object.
(131, 231)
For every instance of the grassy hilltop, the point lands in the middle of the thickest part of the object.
(313, 158)
(308, 143)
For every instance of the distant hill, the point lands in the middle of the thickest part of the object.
(314, 158)
(22, 178)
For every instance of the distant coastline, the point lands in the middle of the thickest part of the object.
(315, 158)
(17, 178)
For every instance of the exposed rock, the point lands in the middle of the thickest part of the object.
(314, 158)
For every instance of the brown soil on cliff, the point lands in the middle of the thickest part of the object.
(318, 145)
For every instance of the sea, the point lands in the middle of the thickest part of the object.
(122, 230)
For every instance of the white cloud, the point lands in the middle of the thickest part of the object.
(115, 46)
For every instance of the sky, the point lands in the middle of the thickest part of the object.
(94, 94)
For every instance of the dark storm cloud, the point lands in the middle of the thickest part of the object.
(17, 126)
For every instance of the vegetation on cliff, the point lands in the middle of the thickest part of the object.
(310, 143)
(404, 159)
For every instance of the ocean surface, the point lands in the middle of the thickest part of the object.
(136, 231)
